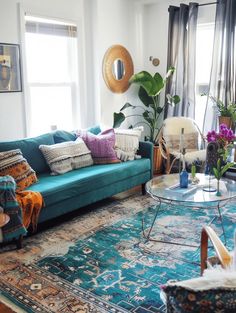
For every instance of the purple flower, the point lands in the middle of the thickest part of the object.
(223, 137)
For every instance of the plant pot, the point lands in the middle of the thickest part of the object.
(226, 120)
(157, 160)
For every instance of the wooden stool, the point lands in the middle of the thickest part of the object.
(4, 219)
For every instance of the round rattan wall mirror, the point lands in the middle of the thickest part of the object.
(117, 68)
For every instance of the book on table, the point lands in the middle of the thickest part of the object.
(178, 191)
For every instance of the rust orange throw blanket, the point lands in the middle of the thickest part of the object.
(31, 203)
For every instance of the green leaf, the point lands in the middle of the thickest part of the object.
(159, 84)
(226, 167)
(145, 80)
(169, 73)
(118, 119)
(172, 100)
(176, 99)
(159, 110)
(147, 117)
(127, 105)
(144, 97)
(216, 173)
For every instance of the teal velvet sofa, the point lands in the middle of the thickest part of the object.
(84, 186)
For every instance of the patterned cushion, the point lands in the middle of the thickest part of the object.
(190, 141)
(127, 142)
(66, 156)
(101, 146)
(14, 164)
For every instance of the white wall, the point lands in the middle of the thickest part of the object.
(115, 25)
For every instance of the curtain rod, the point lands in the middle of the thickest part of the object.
(210, 3)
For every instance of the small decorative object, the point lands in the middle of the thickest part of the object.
(10, 75)
(194, 178)
(183, 177)
(209, 172)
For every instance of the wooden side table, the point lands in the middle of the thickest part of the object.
(4, 219)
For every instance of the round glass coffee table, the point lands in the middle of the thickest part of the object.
(165, 189)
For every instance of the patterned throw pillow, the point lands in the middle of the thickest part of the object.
(183, 300)
(190, 141)
(101, 146)
(14, 164)
(66, 156)
(127, 143)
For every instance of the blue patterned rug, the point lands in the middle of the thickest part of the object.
(120, 271)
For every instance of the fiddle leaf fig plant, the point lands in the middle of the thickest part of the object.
(149, 94)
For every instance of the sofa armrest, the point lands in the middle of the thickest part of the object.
(146, 151)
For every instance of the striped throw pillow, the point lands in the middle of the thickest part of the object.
(14, 164)
(66, 156)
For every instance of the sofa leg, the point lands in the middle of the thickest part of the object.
(19, 242)
(143, 190)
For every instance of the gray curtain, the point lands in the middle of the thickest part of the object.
(182, 55)
(222, 80)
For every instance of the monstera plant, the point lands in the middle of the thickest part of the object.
(149, 94)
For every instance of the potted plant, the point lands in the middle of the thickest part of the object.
(149, 94)
(227, 114)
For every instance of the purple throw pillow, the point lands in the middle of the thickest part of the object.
(101, 146)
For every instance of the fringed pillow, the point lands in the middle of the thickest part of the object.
(14, 164)
(67, 156)
(127, 143)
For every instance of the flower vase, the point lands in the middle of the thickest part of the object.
(218, 193)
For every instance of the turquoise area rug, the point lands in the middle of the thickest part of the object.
(118, 268)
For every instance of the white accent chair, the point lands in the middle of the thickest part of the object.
(193, 141)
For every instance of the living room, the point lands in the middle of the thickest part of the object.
(105, 244)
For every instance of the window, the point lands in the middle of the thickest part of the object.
(204, 49)
(51, 60)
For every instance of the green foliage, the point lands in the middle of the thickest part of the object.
(223, 109)
(193, 170)
(150, 88)
(219, 170)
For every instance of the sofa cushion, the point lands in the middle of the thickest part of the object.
(66, 156)
(101, 146)
(14, 164)
(58, 188)
(94, 130)
(127, 142)
(62, 136)
(30, 150)
(213, 292)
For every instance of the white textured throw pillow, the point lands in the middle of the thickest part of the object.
(127, 142)
(67, 156)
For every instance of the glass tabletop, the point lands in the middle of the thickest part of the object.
(166, 187)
